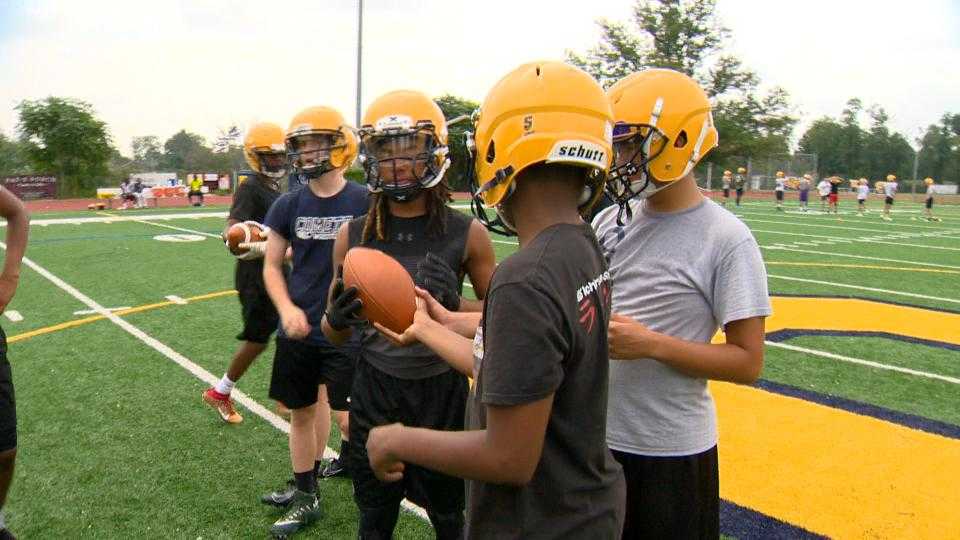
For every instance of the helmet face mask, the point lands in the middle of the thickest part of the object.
(634, 147)
(273, 163)
(310, 153)
(401, 162)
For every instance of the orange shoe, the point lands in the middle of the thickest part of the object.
(224, 406)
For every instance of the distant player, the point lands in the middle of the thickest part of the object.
(803, 191)
(126, 194)
(779, 189)
(834, 196)
(928, 205)
(18, 227)
(266, 154)
(726, 181)
(823, 188)
(739, 182)
(196, 190)
(863, 192)
(889, 192)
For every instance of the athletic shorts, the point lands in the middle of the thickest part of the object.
(824, 197)
(128, 197)
(861, 201)
(260, 318)
(779, 195)
(726, 193)
(8, 402)
(377, 399)
(804, 195)
(739, 192)
(929, 203)
(300, 367)
(195, 194)
(889, 200)
(833, 198)
(671, 497)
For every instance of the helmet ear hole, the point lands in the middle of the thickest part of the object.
(491, 152)
(681, 139)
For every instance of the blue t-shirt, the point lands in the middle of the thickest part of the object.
(310, 223)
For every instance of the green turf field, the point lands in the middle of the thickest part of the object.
(114, 441)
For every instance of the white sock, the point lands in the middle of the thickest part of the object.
(225, 385)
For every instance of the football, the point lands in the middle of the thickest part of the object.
(384, 287)
(244, 233)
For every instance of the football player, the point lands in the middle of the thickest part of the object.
(534, 453)
(738, 182)
(823, 188)
(310, 375)
(863, 191)
(680, 268)
(834, 197)
(928, 205)
(264, 150)
(18, 227)
(889, 192)
(404, 154)
(726, 181)
(803, 191)
(779, 189)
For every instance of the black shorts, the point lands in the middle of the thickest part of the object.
(739, 192)
(726, 193)
(8, 402)
(779, 195)
(378, 399)
(929, 203)
(671, 497)
(889, 200)
(824, 197)
(260, 318)
(861, 201)
(300, 367)
(128, 197)
(195, 194)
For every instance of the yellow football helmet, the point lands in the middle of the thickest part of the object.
(541, 112)
(403, 147)
(928, 181)
(728, 173)
(319, 141)
(779, 174)
(807, 177)
(664, 127)
(891, 178)
(741, 170)
(264, 150)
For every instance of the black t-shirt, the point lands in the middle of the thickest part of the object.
(409, 243)
(544, 331)
(834, 187)
(251, 202)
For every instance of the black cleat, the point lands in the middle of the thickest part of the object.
(281, 497)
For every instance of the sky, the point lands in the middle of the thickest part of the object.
(155, 67)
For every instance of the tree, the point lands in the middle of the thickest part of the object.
(147, 152)
(63, 136)
(227, 138)
(940, 150)
(13, 159)
(452, 107)
(186, 151)
(686, 35)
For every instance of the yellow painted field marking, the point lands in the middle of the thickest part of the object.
(94, 318)
(831, 471)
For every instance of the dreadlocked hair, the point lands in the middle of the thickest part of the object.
(378, 215)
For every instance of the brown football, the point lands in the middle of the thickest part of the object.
(383, 285)
(243, 232)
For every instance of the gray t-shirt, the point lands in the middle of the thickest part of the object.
(684, 274)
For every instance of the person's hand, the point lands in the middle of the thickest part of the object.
(383, 462)
(8, 287)
(295, 323)
(421, 318)
(434, 308)
(436, 276)
(344, 306)
(628, 339)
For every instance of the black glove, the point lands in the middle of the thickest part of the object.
(344, 306)
(436, 276)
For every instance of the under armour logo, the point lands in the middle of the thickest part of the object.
(609, 242)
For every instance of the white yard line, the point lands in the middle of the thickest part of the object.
(782, 247)
(870, 363)
(13, 315)
(115, 219)
(182, 361)
(861, 288)
(93, 311)
(863, 239)
(939, 232)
